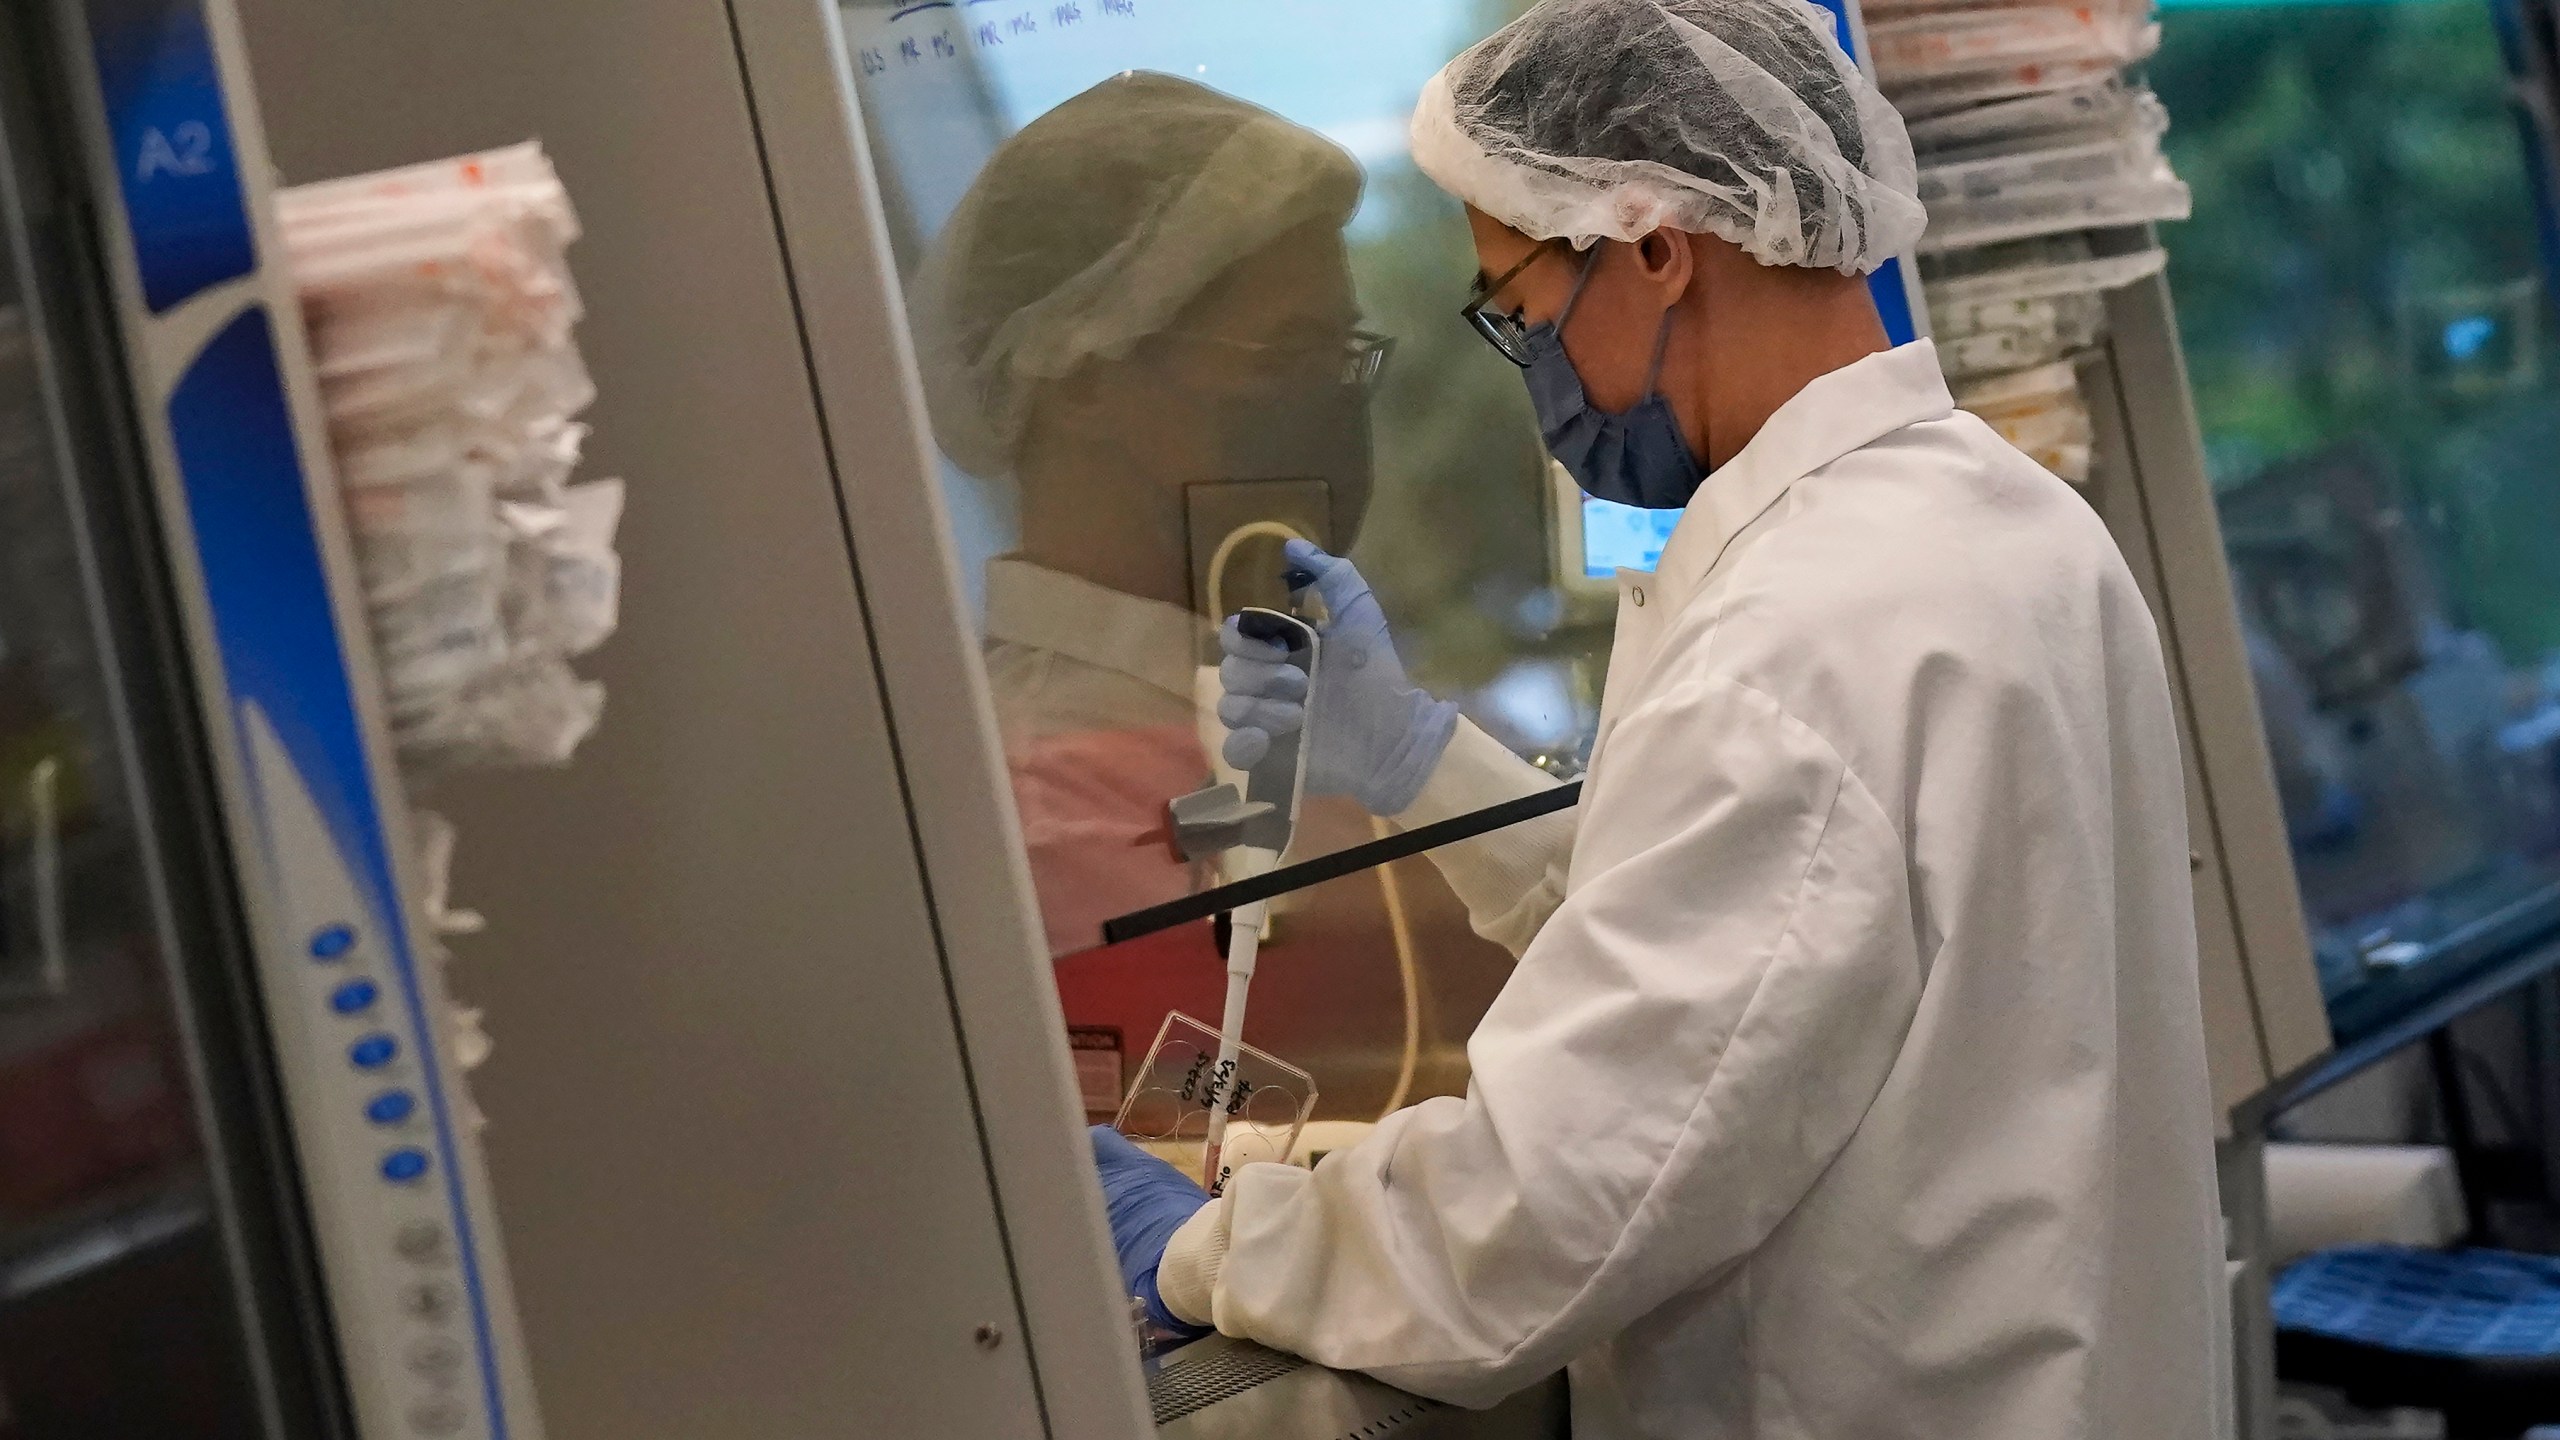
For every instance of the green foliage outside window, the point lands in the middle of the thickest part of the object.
(2361, 274)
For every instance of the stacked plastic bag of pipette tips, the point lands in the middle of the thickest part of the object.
(2010, 322)
(2039, 160)
(441, 315)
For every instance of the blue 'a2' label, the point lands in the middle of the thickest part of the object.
(175, 165)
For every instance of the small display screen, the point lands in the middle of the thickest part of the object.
(1621, 537)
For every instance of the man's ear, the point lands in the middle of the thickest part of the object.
(1668, 259)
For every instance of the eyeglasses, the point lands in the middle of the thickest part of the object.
(1358, 360)
(1364, 358)
(1505, 332)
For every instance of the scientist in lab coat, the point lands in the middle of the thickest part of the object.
(1852, 1080)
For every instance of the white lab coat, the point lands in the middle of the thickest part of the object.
(1855, 1086)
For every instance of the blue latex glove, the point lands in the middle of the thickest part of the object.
(1147, 1201)
(1376, 736)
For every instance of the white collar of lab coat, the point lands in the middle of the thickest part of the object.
(1848, 409)
(1044, 609)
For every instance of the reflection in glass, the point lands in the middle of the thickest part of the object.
(108, 1250)
(2366, 321)
(1177, 294)
(1142, 312)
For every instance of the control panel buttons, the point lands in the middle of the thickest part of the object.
(404, 1165)
(333, 942)
(437, 1417)
(373, 1051)
(391, 1107)
(428, 1301)
(354, 997)
(420, 1242)
(436, 1358)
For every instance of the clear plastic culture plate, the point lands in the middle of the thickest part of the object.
(1267, 1102)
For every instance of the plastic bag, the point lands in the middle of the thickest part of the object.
(2065, 321)
(2087, 192)
(2105, 167)
(564, 579)
(2109, 107)
(434, 838)
(2043, 412)
(439, 639)
(1938, 98)
(1936, 45)
(441, 313)
(528, 712)
(2033, 269)
(416, 534)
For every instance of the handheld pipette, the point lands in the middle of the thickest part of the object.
(1279, 781)
(1244, 947)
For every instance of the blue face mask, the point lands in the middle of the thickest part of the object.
(1639, 458)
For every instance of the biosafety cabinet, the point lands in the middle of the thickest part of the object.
(967, 361)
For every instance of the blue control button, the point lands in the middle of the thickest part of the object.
(373, 1051)
(391, 1107)
(354, 998)
(403, 1166)
(333, 943)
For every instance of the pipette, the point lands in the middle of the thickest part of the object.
(1244, 947)
(1278, 782)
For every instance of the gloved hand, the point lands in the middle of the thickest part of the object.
(1147, 1201)
(1376, 737)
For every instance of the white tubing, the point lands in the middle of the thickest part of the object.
(1408, 974)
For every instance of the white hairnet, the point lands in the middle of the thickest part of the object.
(1610, 119)
(1092, 229)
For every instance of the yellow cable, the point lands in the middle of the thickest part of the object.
(1226, 550)
(1407, 972)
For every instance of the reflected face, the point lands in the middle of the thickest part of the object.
(1267, 316)
(1247, 383)
(1256, 365)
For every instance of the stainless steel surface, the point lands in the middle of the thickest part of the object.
(731, 1122)
(1226, 1389)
